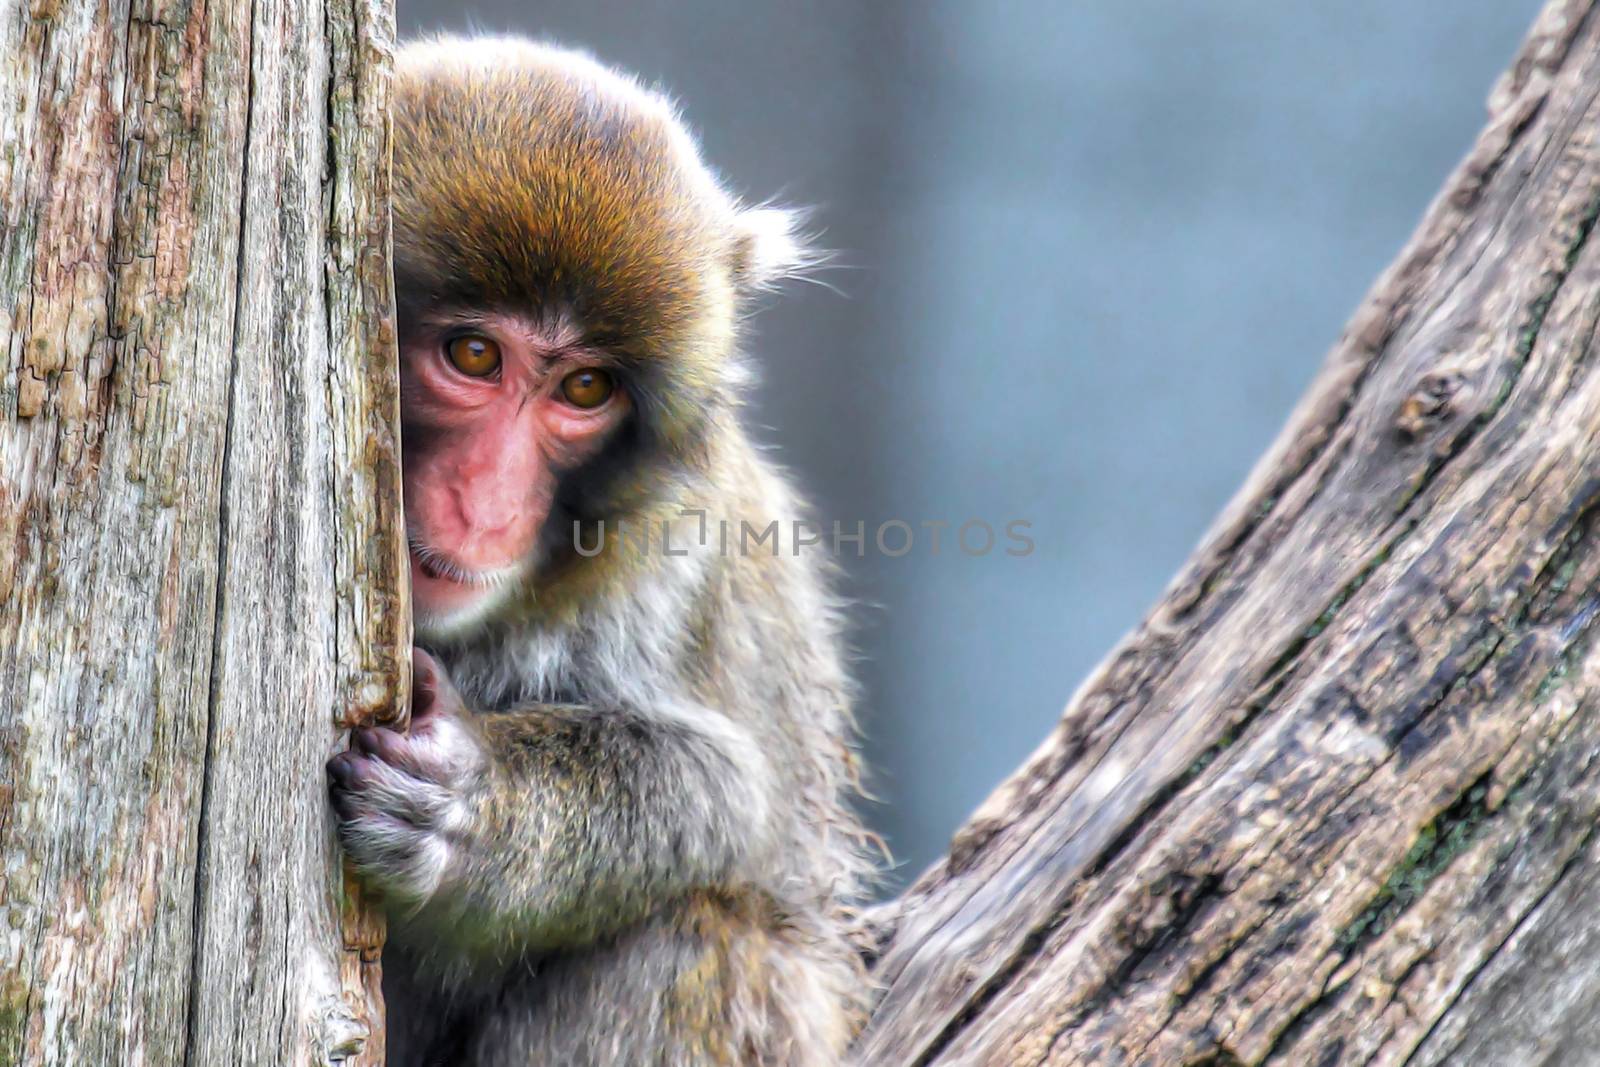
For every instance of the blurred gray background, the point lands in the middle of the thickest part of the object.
(1096, 250)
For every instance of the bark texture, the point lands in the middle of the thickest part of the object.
(1334, 801)
(200, 543)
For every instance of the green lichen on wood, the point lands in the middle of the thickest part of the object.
(13, 1017)
(1277, 674)
(1554, 678)
(1213, 750)
(1437, 845)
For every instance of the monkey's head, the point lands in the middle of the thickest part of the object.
(569, 276)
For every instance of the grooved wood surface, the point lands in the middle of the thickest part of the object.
(1334, 801)
(200, 540)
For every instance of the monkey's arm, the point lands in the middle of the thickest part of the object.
(592, 817)
(550, 825)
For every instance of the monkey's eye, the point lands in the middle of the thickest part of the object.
(586, 388)
(474, 355)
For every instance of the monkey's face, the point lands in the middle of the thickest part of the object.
(569, 277)
(496, 408)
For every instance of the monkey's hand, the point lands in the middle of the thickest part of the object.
(547, 825)
(403, 800)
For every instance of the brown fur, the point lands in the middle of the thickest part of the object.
(636, 846)
(527, 183)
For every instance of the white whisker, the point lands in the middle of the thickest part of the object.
(442, 565)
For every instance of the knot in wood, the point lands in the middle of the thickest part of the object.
(1429, 404)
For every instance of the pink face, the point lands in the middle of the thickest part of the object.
(494, 408)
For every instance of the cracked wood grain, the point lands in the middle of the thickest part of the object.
(200, 541)
(1333, 802)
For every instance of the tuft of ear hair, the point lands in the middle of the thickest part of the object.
(771, 246)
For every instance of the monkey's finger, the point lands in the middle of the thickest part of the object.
(371, 785)
(398, 856)
(343, 770)
(345, 779)
(431, 688)
(424, 676)
(343, 802)
(388, 745)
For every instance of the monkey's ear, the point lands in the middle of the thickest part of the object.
(770, 247)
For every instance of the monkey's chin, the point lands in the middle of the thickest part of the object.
(443, 607)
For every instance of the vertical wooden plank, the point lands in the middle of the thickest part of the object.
(373, 592)
(200, 535)
(312, 624)
(120, 186)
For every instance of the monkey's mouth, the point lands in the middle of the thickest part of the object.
(435, 565)
(431, 569)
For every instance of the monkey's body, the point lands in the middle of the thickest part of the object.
(617, 832)
(757, 970)
(696, 984)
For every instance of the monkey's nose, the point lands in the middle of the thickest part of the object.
(489, 531)
(493, 544)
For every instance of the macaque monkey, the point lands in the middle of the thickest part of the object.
(617, 831)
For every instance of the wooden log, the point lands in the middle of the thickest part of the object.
(1333, 801)
(201, 548)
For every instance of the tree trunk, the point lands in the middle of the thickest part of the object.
(1333, 802)
(200, 541)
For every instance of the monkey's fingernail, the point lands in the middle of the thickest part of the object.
(383, 744)
(366, 739)
(342, 769)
